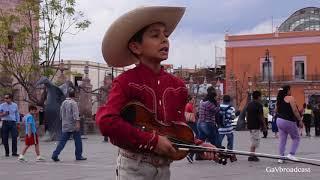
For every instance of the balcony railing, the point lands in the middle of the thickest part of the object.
(284, 78)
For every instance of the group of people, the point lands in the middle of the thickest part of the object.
(288, 120)
(10, 117)
(211, 121)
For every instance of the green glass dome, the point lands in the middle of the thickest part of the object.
(306, 19)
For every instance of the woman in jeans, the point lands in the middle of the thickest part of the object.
(287, 117)
(207, 127)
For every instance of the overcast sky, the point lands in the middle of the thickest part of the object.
(201, 29)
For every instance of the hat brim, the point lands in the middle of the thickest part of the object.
(115, 42)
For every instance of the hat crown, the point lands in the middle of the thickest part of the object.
(115, 42)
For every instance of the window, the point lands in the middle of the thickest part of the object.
(266, 71)
(299, 67)
(299, 70)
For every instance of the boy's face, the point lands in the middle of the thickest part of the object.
(154, 45)
(33, 111)
(7, 99)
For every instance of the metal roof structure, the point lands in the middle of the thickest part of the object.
(305, 19)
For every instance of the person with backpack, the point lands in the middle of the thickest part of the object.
(227, 114)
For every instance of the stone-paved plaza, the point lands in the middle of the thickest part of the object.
(102, 156)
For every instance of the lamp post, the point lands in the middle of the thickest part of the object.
(267, 59)
(219, 93)
(249, 90)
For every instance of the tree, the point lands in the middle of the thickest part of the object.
(31, 35)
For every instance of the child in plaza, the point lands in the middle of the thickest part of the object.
(31, 137)
(226, 128)
(141, 37)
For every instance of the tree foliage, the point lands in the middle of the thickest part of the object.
(30, 39)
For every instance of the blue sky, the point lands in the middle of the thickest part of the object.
(201, 30)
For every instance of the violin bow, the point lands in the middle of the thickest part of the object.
(194, 148)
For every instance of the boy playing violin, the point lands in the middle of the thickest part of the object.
(141, 37)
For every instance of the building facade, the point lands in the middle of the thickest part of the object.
(294, 59)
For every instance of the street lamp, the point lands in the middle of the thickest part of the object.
(249, 90)
(267, 59)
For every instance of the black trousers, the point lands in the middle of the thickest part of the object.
(9, 127)
(265, 133)
(307, 124)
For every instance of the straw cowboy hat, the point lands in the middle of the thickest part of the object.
(115, 41)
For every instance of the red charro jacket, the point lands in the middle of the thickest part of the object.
(161, 93)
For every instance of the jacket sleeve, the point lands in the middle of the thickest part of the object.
(120, 132)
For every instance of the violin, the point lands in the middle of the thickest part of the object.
(179, 133)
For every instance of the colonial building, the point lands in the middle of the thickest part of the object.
(290, 56)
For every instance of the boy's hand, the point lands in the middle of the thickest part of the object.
(209, 155)
(164, 147)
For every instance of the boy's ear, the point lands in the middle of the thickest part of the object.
(134, 47)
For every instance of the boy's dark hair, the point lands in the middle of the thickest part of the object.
(265, 104)
(226, 99)
(9, 94)
(211, 94)
(138, 37)
(72, 94)
(32, 107)
(256, 95)
(309, 106)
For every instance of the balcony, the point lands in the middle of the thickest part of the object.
(289, 78)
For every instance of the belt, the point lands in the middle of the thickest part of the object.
(152, 159)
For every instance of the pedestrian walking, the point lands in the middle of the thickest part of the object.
(307, 118)
(287, 117)
(255, 122)
(70, 126)
(9, 114)
(207, 125)
(227, 112)
(31, 135)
